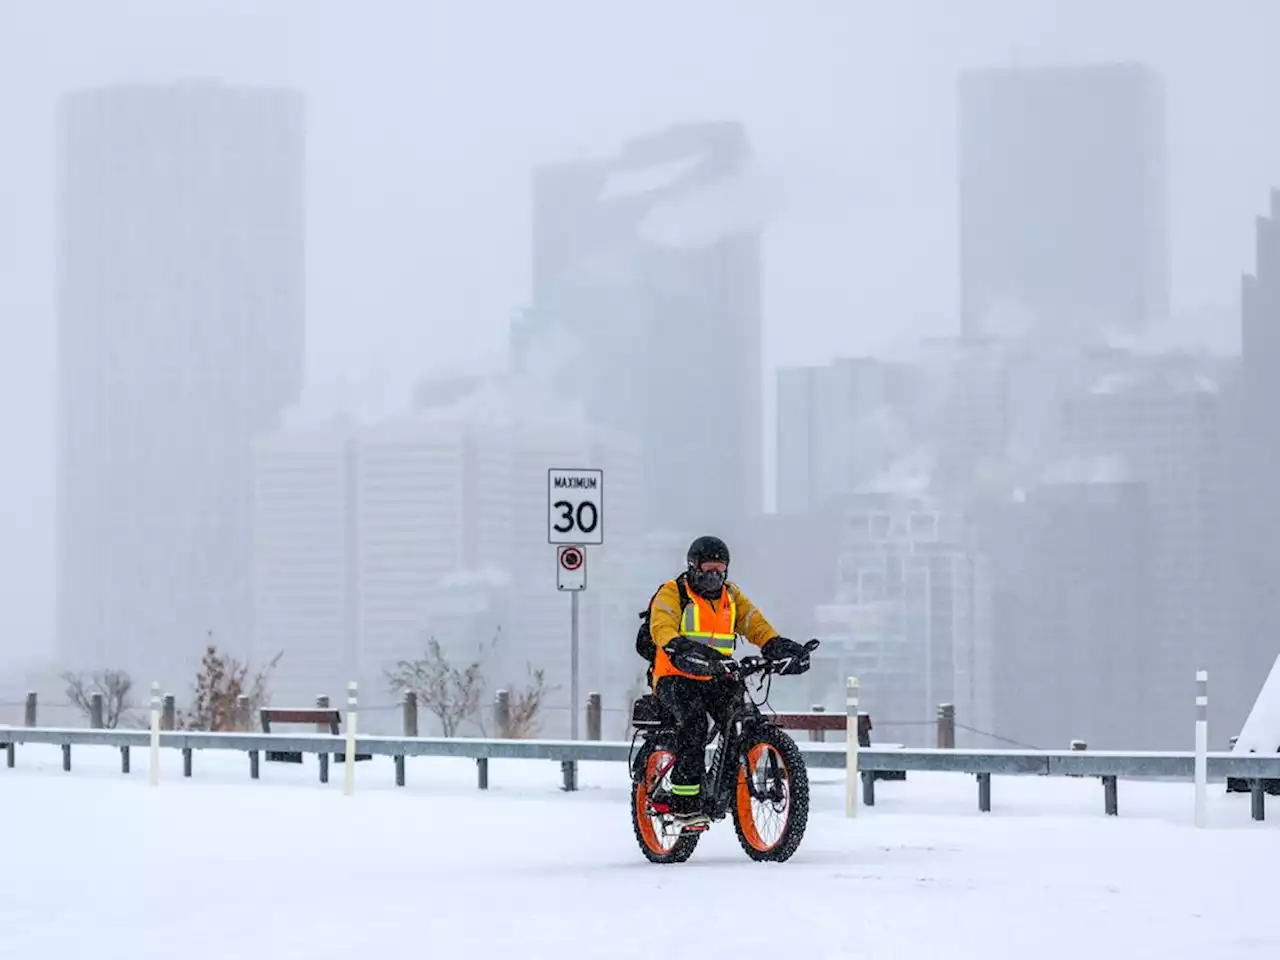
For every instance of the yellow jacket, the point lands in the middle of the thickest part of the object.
(664, 623)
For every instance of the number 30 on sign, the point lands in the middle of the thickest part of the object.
(575, 506)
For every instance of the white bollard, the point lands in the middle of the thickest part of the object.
(1202, 747)
(155, 734)
(851, 748)
(349, 767)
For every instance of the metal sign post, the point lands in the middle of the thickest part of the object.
(573, 665)
(575, 518)
(571, 575)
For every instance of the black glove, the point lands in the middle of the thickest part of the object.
(728, 668)
(792, 657)
(698, 659)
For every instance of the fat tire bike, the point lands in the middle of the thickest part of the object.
(756, 772)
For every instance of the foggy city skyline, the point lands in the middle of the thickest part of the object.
(830, 435)
(421, 246)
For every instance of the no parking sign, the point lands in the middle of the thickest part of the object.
(571, 567)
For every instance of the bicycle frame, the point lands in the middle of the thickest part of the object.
(721, 780)
(732, 731)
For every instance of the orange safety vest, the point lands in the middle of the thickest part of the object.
(701, 621)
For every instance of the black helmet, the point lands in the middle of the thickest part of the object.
(707, 549)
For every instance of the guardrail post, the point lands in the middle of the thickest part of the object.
(247, 720)
(186, 761)
(851, 747)
(169, 718)
(349, 761)
(1110, 798)
(1202, 746)
(1076, 746)
(322, 703)
(95, 711)
(482, 772)
(66, 757)
(409, 724)
(502, 714)
(10, 754)
(410, 719)
(946, 726)
(153, 774)
(570, 770)
(594, 711)
(29, 710)
(984, 792)
(818, 736)
(124, 759)
(1258, 799)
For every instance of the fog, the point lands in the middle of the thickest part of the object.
(718, 250)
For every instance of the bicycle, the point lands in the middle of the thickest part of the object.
(768, 775)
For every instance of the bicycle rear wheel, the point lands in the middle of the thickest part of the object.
(660, 840)
(771, 804)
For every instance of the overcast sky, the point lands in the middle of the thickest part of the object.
(425, 117)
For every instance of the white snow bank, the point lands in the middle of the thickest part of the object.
(96, 863)
(1261, 731)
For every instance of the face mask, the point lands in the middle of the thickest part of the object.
(707, 582)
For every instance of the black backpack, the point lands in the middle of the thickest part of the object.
(644, 639)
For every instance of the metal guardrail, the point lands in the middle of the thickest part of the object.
(1109, 766)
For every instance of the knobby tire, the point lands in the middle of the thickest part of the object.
(652, 759)
(791, 767)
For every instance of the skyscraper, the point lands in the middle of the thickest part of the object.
(180, 338)
(647, 280)
(1072, 616)
(1063, 201)
(451, 542)
(1159, 422)
(914, 597)
(304, 599)
(1254, 474)
(841, 427)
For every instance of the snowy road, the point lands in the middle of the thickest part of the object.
(95, 864)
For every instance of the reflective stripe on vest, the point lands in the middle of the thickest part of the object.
(712, 626)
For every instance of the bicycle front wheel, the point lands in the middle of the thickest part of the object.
(771, 804)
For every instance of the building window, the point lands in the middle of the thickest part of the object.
(856, 528)
(924, 527)
(881, 527)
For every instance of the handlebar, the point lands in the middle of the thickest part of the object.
(750, 666)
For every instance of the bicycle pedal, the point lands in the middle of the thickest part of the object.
(691, 822)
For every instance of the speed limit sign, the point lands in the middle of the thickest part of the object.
(575, 506)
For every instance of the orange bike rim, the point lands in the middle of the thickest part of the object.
(749, 806)
(659, 764)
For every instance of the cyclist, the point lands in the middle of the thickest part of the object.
(694, 621)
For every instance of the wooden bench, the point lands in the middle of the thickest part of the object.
(326, 720)
(818, 722)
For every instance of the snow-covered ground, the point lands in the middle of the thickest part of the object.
(96, 864)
